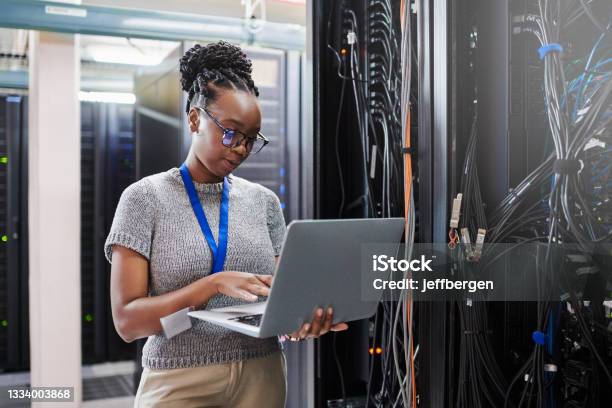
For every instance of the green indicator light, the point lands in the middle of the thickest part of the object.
(4, 238)
(88, 317)
(4, 323)
(3, 159)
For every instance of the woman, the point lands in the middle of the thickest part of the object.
(200, 237)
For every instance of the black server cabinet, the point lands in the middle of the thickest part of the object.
(349, 99)
(269, 167)
(107, 168)
(14, 330)
(478, 66)
(159, 115)
(486, 55)
(107, 160)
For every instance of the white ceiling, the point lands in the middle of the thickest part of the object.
(281, 11)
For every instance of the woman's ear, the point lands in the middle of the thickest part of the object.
(194, 120)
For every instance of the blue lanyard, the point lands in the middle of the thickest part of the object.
(218, 253)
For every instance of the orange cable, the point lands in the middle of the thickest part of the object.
(407, 195)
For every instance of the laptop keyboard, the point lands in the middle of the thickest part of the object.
(253, 320)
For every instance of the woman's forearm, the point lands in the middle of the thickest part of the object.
(140, 317)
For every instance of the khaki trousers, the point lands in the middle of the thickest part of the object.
(252, 383)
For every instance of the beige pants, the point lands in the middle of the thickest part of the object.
(257, 382)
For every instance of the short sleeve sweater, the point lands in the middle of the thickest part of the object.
(154, 218)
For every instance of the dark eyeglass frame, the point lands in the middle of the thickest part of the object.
(229, 134)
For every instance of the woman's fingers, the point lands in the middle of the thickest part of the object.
(339, 327)
(317, 320)
(310, 330)
(303, 332)
(258, 289)
(329, 317)
(299, 334)
(267, 279)
(243, 285)
(242, 294)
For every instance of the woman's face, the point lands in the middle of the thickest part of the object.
(234, 109)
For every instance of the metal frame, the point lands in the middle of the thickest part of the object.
(293, 79)
(493, 97)
(307, 121)
(301, 356)
(123, 22)
(99, 269)
(19, 80)
(15, 282)
(425, 167)
(434, 146)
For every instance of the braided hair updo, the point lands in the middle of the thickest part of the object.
(221, 64)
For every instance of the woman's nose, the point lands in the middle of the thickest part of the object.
(241, 149)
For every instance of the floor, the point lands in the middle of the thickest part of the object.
(119, 402)
(106, 385)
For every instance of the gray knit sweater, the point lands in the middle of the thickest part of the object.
(154, 218)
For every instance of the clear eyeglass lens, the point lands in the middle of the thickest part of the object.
(229, 138)
(257, 145)
(232, 139)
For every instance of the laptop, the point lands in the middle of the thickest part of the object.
(319, 265)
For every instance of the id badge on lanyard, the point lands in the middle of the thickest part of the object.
(218, 252)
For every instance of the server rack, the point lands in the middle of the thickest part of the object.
(480, 59)
(270, 167)
(107, 168)
(14, 330)
(355, 57)
(349, 348)
(107, 162)
(478, 68)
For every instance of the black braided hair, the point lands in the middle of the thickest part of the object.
(221, 64)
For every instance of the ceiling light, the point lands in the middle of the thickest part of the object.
(122, 55)
(107, 97)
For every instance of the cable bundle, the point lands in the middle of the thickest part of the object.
(385, 103)
(480, 381)
(374, 85)
(566, 199)
(389, 106)
(579, 115)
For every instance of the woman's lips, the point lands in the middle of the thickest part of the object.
(232, 165)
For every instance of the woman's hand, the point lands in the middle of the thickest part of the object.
(319, 326)
(242, 285)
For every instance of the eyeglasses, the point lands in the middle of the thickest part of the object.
(234, 138)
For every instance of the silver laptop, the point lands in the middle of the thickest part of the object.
(319, 265)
